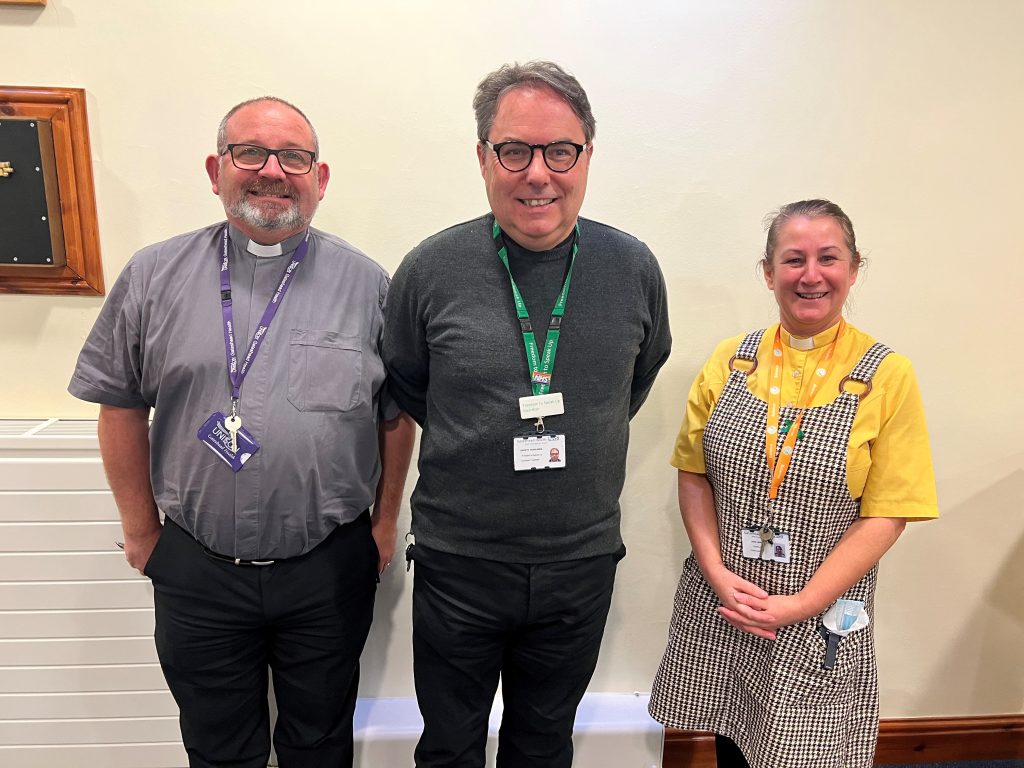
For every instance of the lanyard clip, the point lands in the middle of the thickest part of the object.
(540, 425)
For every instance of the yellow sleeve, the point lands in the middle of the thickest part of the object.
(689, 449)
(901, 480)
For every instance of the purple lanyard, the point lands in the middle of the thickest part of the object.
(236, 374)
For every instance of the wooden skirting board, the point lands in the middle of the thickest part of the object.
(900, 742)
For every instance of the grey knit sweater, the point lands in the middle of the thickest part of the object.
(456, 364)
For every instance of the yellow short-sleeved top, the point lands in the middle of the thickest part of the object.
(888, 461)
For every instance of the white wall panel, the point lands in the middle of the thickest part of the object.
(69, 566)
(119, 704)
(130, 592)
(80, 681)
(164, 755)
(77, 650)
(62, 506)
(123, 622)
(88, 679)
(59, 536)
(88, 730)
(81, 474)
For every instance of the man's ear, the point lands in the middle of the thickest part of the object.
(323, 176)
(213, 171)
(481, 154)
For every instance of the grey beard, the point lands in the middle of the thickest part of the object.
(254, 217)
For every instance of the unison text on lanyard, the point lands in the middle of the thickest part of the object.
(237, 373)
(780, 466)
(540, 365)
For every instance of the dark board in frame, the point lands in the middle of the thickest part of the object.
(30, 216)
(62, 110)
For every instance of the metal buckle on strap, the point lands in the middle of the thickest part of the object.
(751, 361)
(865, 384)
(237, 560)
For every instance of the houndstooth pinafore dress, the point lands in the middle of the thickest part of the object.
(773, 698)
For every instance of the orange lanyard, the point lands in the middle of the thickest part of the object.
(779, 465)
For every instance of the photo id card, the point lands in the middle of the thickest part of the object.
(215, 436)
(543, 451)
(753, 545)
(756, 548)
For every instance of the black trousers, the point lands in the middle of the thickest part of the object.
(727, 754)
(538, 627)
(219, 626)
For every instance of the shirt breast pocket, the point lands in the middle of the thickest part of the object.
(325, 371)
(858, 466)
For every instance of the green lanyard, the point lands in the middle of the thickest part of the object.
(540, 366)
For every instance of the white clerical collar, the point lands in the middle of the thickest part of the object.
(263, 250)
(804, 345)
(243, 244)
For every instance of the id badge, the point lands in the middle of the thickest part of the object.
(753, 545)
(756, 548)
(780, 547)
(539, 451)
(215, 436)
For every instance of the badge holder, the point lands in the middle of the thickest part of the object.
(216, 436)
(538, 449)
(764, 543)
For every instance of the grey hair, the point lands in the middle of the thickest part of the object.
(811, 209)
(222, 129)
(532, 74)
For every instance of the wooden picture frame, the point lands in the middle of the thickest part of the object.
(82, 273)
(22, 2)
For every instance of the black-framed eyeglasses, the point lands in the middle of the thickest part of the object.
(559, 156)
(252, 157)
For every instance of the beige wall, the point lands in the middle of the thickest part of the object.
(709, 115)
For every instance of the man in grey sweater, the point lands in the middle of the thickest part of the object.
(525, 412)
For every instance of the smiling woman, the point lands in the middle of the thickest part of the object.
(811, 261)
(792, 485)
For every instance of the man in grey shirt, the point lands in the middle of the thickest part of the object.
(523, 453)
(255, 344)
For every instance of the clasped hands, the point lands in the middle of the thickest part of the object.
(748, 607)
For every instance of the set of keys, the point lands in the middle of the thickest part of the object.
(766, 533)
(763, 542)
(232, 424)
(225, 436)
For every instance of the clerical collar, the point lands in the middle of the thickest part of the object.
(263, 251)
(810, 342)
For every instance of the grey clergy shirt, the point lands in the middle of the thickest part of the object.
(311, 399)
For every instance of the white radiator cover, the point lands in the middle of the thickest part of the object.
(79, 680)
